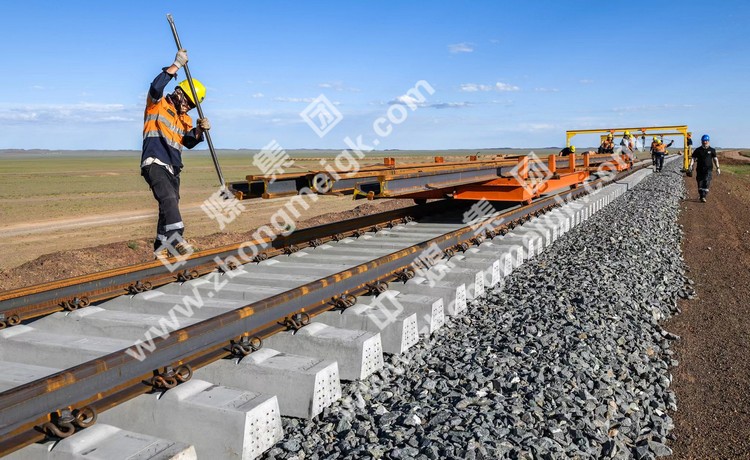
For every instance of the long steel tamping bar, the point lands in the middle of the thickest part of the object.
(198, 105)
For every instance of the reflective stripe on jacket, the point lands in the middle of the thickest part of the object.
(164, 130)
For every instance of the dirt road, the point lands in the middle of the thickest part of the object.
(712, 381)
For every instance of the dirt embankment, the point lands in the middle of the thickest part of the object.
(712, 381)
(65, 264)
(734, 157)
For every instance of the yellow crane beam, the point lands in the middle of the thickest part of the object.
(675, 130)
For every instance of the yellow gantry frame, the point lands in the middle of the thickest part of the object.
(658, 133)
(679, 130)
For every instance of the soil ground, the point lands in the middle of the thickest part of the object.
(712, 381)
(65, 264)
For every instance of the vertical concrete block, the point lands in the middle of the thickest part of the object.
(428, 309)
(106, 442)
(454, 296)
(358, 353)
(303, 385)
(384, 314)
(221, 422)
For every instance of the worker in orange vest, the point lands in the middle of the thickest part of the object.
(659, 151)
(654, 143)
(608, 145)
(167, 128)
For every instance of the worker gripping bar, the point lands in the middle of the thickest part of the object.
(197, 105)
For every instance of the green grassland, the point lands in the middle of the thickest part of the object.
(740, 170)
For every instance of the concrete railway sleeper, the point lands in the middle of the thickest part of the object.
(295, 326)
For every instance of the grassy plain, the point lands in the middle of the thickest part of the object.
(741, 170)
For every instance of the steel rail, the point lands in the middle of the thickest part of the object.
(118, 376)
(43, 299)
(394, 185)
(368, 178)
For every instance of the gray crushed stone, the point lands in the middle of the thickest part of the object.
(566, 360)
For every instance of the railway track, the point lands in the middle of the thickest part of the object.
(68, 361)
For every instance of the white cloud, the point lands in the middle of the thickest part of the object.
(450, 105)
(257, 95)
(534, 127)
(413, 102)
(546, 90)
(499, 86)
(67, 113)
(506, 103)
(294, 99)
(585, 81)
(407, 100)
(337, 86)
(461, 48)
(473, 87)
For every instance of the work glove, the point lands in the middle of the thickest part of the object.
(204, 124)
(180, 59)
(718, 171)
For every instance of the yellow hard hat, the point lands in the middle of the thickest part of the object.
(659, 141)
(573, 148)
(609, 136)
(627, 133)
(656, 138)
(199, 89)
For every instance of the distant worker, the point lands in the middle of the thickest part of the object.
(703, 160)
(689, 140)
(654, 143)
(658, 152)
(608, 145)
(167, 129)
(628, 145)
(567, 151)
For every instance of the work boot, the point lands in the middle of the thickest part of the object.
(162, 254)
(703, 199)
(184, 248)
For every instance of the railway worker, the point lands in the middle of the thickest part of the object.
(627, 141)
(608, 145)
(628, 145)
(658, 153)
(167, 129)
(703, 160)
(654, 143)
(567, 151)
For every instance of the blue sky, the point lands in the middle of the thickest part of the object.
(505, 74)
